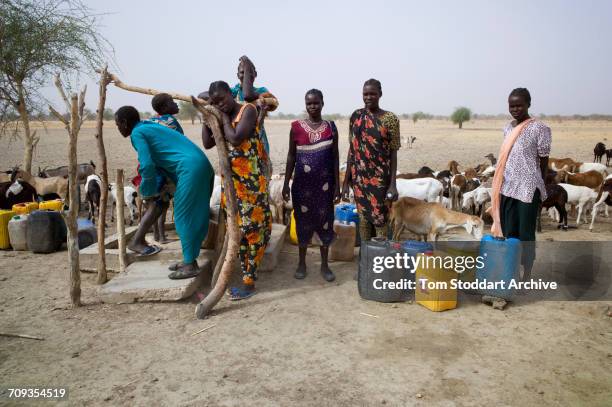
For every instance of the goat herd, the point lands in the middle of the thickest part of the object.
(19, 186)
(431, 202)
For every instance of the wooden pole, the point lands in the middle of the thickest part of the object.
(120, 221)
(77, 105)
(101, 268)
(231, 243)
(269, 100)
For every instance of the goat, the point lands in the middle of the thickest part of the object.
(459, 185)
(93, 190)
(591, 179)
(276, 200)
(556, 197)
(453, 167)
(598, 152)
(604, 196)
(551, 177)
(583, 197)
(425, 171)
(425, 189)
(16, 192)
(487, 172)
(492, 158)
(475, 199)
(608, 156)
(215, 198)
(83, 171)
(44, 186)
(429, 219)
(130, 196)
(412, 175)
(601, 168)
(470, 173)
(557, 164)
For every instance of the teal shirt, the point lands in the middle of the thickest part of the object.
(237, 94)
(160, 147)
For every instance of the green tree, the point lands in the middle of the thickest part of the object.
(108, 114)
(39, 38)
(417, 116)
(461, 115)
(187, 111)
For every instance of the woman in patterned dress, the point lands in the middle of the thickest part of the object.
(374, 139)
(313, 154)
(522, 188)
(248, 161)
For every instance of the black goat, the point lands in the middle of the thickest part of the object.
(93, 193)
(556, 196)
(8, 198)
(425, 171)
(599, 151)
(608, 156)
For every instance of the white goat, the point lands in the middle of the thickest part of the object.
(605, 199)
(425, 189)
(476, 198)
(489, 171)
(601, 168)
(276, 199)
(583, 197)
(129, 197)
(215, 198)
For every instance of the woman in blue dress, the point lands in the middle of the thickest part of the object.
(162, 149)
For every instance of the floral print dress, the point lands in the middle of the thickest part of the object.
(248, 161)
(372, 139)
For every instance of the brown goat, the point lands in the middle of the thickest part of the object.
(44, 186)
(592, 179)
(429, 219)
(470, 173)
(453, 167)
(563, 163)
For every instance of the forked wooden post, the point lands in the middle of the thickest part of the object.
(101, 267)
(229, 252)
(120, 221)
(75, 107)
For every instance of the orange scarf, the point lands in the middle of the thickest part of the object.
(498, 178)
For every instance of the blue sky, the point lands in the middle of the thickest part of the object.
(431, 56)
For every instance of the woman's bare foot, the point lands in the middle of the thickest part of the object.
(327, 274)
(300, 272)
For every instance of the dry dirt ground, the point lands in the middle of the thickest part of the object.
(305, 342)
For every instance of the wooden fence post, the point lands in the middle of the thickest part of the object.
(120, 221)
(101, 267)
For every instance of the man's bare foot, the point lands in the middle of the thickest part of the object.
(138, 247)
(300, 272)
(163, 240)
(327, 274)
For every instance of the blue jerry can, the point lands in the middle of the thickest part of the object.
(502, 260)
(347, 213)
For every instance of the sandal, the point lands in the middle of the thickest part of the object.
(175, 266)
(181, 273)
(237, 294)
(148, 251)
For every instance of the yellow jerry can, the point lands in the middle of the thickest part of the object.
(434, 282)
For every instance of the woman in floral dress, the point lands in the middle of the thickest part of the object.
(374, 138)
(248, 161)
